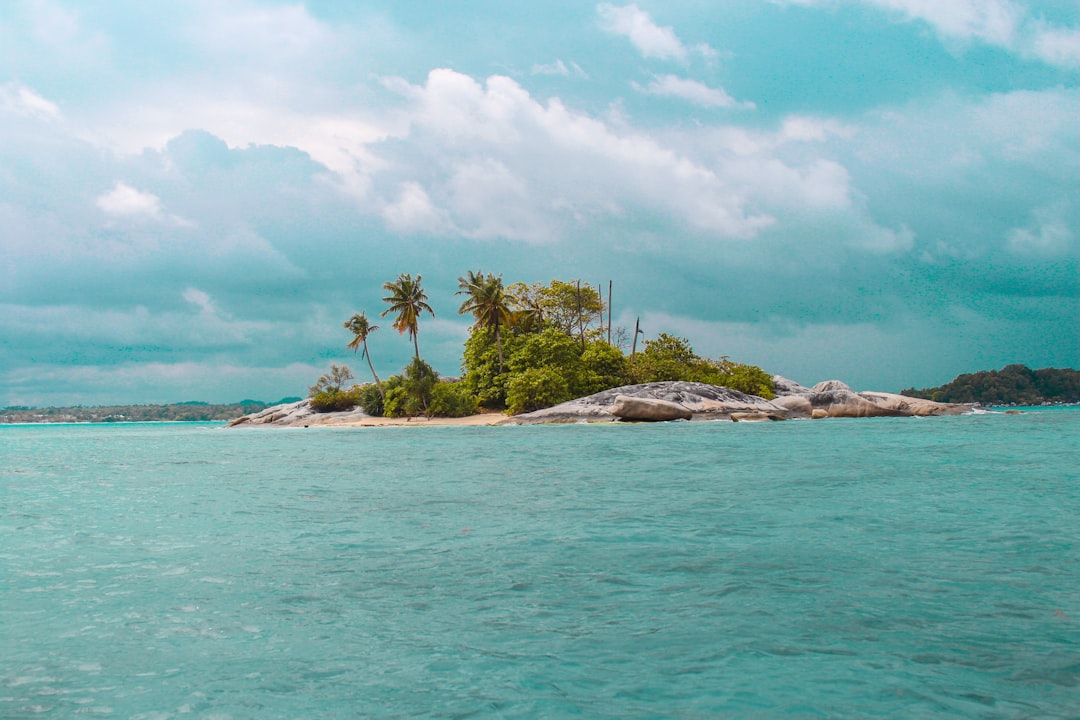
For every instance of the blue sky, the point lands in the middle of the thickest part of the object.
(195, 195)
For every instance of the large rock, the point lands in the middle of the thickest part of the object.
(782, 386)
(839, 400)
(833, 398)
(796, 405)
(626, 407)
(299, 414)
(705, 402)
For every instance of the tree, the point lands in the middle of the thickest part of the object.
(570, 306)
(408, 300)
(360, 327)
(527, 314)
(328, 393)
(488, 302)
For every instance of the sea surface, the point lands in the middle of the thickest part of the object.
(893, 568)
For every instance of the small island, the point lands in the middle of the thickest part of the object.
(550, 354)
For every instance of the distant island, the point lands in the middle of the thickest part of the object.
(1012, 385)
(174, 412)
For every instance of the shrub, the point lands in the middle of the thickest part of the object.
(452, 400)
(335, 400)
(536, 388)
(371, 400)
(603, 366)
(396, 400)
(409, 394)
(327, 394)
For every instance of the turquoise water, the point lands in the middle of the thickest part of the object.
(844, 568)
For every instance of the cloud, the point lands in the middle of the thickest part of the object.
(21, 100)
(201, 300)
(693, 91)
(1048, 235)
(413, 212)
(282, 35)
(991, 21)
(1057, 46)
(651, 40)
(498, 163)
(561, 69)
(124, 200)
(1000, 23)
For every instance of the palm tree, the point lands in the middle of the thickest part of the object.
(360, 327)
(528, 312)
(408, 300)
(487, 301)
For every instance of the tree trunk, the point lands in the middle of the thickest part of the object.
(498, 344)
(373, 374)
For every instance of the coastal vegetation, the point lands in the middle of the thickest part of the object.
(1012, 385)
(174, 412)
(530, 347)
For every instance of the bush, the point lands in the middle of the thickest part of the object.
(327, 394)
(335, 400)
(410, 393)
(452, 400)
(603, 366)
(396, 401)
(536, 388)
(371, 400)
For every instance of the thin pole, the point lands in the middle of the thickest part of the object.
(608, 312)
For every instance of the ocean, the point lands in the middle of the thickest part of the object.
(895, 568)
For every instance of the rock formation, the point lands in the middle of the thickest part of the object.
(299, 414)
(660, 401)
(626, 407)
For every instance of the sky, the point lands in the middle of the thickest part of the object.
(195, 195)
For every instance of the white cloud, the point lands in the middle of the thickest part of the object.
(560, 68)
(502, 164)
(992, 21)
(413, 212)
(1001, 23)
(1057, 46)
(1048, 235)
(283, 34)
(124, 200)
(21, 100)
(200, 300)
(651, 40)
(693, 91)
(803, 128)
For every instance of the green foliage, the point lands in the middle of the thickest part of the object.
(672, 358)
(452, 399)
(371, 399)
(328, 393)
(536, 388)
(335, 400)
(407, 300)
(333, 380)
(480, 367)
(409, 394)
(603, 366)
(1012, 385)
(666, 358)
(549, 347)
(395, 403)
(174, 412)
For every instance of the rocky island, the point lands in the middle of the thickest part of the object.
(650, 402)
